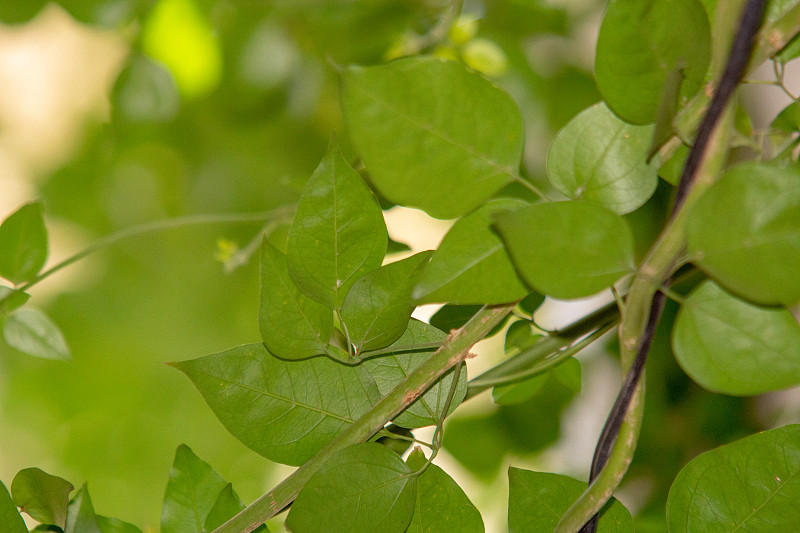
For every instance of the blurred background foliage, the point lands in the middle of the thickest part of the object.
(220, 106)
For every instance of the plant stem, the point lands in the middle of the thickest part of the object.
(152, 227)
(705, 162)
(452, 352)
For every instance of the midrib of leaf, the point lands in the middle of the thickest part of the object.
(458, 273)
(771, 495)
(601, 159)
(195, 510)
(276, 397)
(503, 170)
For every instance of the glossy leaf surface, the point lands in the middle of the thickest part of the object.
(363, 489)
(568, 249)
(23, 244)
(601, 159)
(471, 265)
(537, 500)
(432, 134)
(378, 306)
(191, 493)
(390, 370)
(733, 347)
(441, 505)
(293, 326)
(9, 516)
(750, 485)
(284, 410)
(33, 333)
(745, 232)
(338, 232)
(42, 496)
(640, 42)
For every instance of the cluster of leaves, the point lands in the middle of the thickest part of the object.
(341, 357)
(196, 499)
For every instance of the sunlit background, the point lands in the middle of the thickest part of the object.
(120, 112)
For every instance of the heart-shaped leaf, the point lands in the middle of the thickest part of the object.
(432, 134)
(603, 160)
(43, 496)
(745, 232)
(733, 347)
(284, 410)
(640, 43)
(471, 265)
(338, 233)
(568, 249)
(750, 485)
(362, 489)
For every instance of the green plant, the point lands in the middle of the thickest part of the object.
(343, 374)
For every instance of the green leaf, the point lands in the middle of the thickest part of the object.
(788, 119)
(441, 505)
(292, 325)
(227, 505)
(536, 501)
(43, 496)
(451, 317)
(114, 525)
(432, 134)
(378, 306)
(672, 169)
(284, 410)
(364, 488)
(733, 347)
(31, 332)
(23, 244)
(338, 233)
(516, 393)
(750, 485)
(568, 249)
(603, 160)
(80, 514)
(389, 371)
(569, 374)
(531, 303)
(745, 232)
(192, 491)
(11, 300)
(520, 335)
(471, 265)
(640, 42)
(9, 516)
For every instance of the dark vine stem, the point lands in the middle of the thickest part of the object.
(623, 422)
